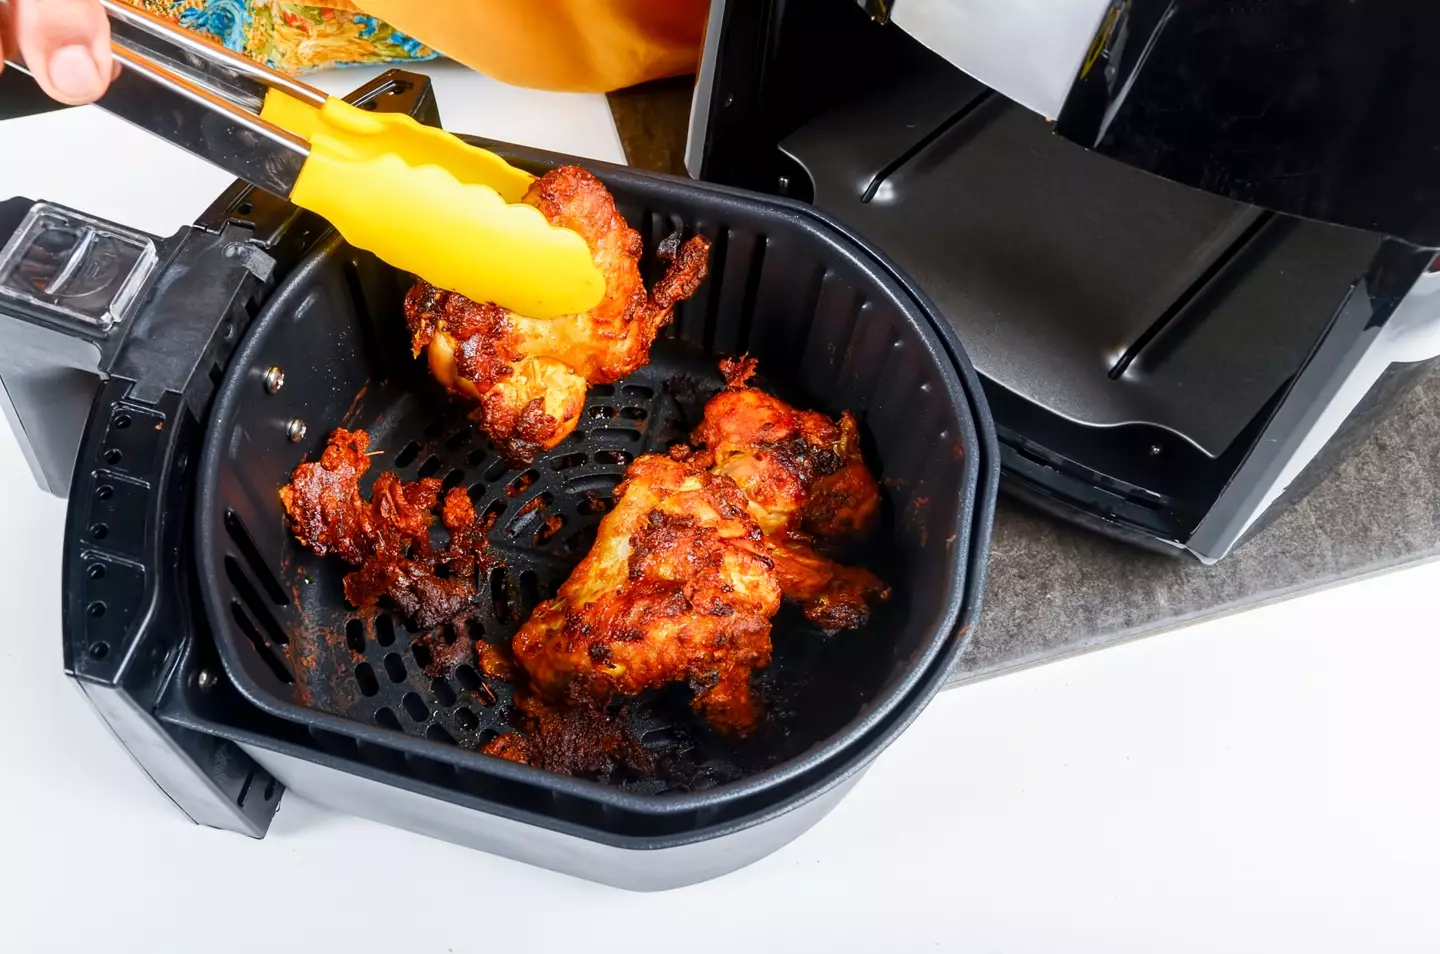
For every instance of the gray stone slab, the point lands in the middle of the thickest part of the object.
(1055, 591)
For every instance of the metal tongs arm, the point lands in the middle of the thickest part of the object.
(203, 97)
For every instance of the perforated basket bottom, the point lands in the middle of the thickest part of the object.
(372, 668)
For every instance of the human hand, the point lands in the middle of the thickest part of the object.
(64, 44)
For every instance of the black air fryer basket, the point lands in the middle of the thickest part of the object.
(174, 508)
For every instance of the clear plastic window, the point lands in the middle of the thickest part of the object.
(74, 267)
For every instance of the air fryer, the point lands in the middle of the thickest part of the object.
(1177, 293)
(173, 394)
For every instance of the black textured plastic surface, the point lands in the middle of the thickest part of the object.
(833, 328)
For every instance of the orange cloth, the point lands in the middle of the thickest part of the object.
(569, 45)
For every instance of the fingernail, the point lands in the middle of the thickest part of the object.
(74, 73)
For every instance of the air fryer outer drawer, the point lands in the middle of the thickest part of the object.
(654, 869)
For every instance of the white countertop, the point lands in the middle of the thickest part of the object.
(1253, 783)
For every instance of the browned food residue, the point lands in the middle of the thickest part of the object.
(574, 740)
(448, 651)
(387, 538)
(495, 662)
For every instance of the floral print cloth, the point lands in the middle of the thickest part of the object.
(295, 37)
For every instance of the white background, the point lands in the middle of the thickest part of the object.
(1265, 782)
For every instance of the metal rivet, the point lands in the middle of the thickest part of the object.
(274, 379)
(784, 183)
(233, 250)
(1154, 450)
(295, 430)
(206, 680)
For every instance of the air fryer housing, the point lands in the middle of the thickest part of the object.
(142, 361)
(1187, 294)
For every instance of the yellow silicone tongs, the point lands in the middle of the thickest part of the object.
(417, 197)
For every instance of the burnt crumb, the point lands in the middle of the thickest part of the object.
(521, 484)
(575, 740)
(495, 662)
(668, 248)
(445, 655)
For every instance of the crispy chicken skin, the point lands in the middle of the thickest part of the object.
(688, 569)
(677, 586)
(806, 484)
(530, 375)
(388, 538)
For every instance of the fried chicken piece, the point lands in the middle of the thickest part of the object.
(530, 375)
(388, 538)
(806, 485)
(677, 586)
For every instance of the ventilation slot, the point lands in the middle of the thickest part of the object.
(552, 525)
(752, 291)
(407, 455)
(241, 537)
(384, 631)
(522, 483)
(718, 249)
(365, 678)
(415, 707)
(267, 654)
(254, 601)
(492, 513)
(355, 635)
(500, 594)
(443, 693)
(529, 591)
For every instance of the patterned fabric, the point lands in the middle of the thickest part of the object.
(295, 37)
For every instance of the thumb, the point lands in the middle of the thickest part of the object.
(66, 46)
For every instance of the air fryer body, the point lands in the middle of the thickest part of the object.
(1187, 287)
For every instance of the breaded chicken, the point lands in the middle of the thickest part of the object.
(677, 587)
(530, 375)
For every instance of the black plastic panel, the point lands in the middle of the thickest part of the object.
(1103, 295)
(1319, 108)
(833, 327)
